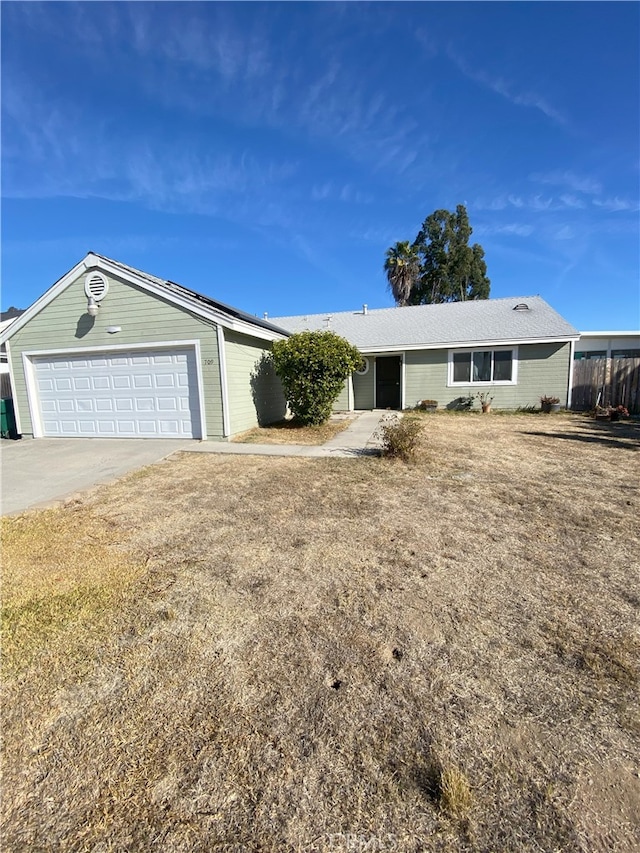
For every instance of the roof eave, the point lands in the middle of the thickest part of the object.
(498, 342)
(92, 261)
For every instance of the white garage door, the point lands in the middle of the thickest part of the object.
(136, 394)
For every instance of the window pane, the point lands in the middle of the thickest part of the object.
(482, 367)
(461, 366)
(502, 366)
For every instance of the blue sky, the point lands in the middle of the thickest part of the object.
(267, 154)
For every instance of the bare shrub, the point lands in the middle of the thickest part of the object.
(399, 438)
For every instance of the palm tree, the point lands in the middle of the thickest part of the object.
(402, 267)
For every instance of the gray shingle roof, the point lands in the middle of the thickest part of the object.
(453, 323)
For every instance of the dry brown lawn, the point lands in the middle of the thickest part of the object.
(290, 432)
(335, 654)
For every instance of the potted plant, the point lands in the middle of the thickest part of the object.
(550, 404)
(427, 405)
(611, 413)
(485, 401)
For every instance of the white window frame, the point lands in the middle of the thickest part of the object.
(490, 383)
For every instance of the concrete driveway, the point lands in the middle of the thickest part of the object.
(37, 472)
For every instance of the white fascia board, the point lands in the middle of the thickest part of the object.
(192, 305)
(46, 298)
(466, 345)
(614, 334)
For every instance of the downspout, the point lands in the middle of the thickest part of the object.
(572, 348)
(224, 388)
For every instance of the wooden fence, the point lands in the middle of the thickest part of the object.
(5, 385)
(606, 381)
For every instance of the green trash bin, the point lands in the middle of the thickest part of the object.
(7, 419)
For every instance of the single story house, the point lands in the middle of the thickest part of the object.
(516, 349)
(110, 351)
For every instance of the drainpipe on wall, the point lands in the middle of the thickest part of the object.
(572, 348)
(224, 389)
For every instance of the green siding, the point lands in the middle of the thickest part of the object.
(342, 403)
(542, 369)
(425, 377)
(254, 391)
(363, 396)
(64, 324)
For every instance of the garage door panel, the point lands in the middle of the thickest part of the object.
(142, 381)
(147, 394)
(165, 380)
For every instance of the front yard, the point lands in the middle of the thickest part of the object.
(287, 654)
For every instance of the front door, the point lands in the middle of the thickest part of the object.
(388, 373)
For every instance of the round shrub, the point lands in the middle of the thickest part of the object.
(312, 367)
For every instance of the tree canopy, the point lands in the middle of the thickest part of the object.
(312, 367)
(402, 267)
(439, 266)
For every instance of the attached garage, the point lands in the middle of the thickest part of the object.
(110, 351)
(146, 393)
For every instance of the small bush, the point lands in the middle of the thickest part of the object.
(312, 367)
(400, 438)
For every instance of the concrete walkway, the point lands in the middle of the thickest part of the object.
(44, 471)
(358, 439)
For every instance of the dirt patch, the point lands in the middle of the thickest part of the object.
(290, 432)
(352, 654)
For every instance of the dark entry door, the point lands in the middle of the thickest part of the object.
(388, 371)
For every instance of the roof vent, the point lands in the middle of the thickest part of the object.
(96, 286)
(521, 306)
(365, 309)
(265, 316)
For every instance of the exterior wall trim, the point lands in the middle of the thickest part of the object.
(224, 386)
(32, 392)
(14, 393)
(400, 348)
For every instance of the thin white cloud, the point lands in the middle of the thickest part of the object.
(570, 200)
(510, 229)
(75, 158)
(617, 204)
(506, 89)
(576, 183)
(332, 191)
(565, 232)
